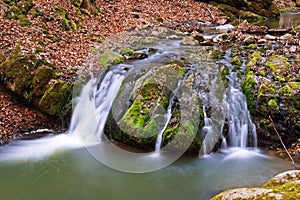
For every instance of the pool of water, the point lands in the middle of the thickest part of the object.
(77, 175)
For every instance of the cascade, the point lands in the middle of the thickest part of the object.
(98, 94)
(168, 115)
(87, 123)
(227, 105)
(241, 127)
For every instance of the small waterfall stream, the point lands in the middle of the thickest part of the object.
(98, 94)
(241, 127)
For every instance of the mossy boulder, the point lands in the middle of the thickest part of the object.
(36, 81)
(56, 97)
(40, 81)
(18, 10)
(283, 186)
(145, 117)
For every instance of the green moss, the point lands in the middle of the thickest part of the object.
(251, 17)
(225, 71)
(24, 21)
(56, 97)
(280, 79)
(262, 73)
(144, 42)
(108, 58)
(279, 65)
(74, 26)
(65, 22)
(236, 61)
(41, 79)
(297, 29)
(266, 90)
(294, 85)
(247, 87)
(273, 105)
(252, 60)
(252, 46)
(285, 91)
(127, 51)
(239, 75)
(17, 70)
(216, 54)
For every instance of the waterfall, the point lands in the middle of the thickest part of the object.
(240, 125)
(239, 120)
(87, 123)
(227, 106)
(90, 114)
(167, 116)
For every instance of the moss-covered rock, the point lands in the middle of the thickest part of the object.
(283, 186)
(18, 10)
(273, 92)
(235, 9)
(236, 61)
(140, 124)
(41, 80)
(279, 65)
(30, 78)
(247, 87)
(56, 97)
(108, 58)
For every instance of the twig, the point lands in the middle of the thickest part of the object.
(211, 14)
(293, 162)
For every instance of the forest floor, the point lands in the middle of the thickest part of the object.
(68, 47)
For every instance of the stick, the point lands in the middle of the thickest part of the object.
(283, 143)
(211, 14)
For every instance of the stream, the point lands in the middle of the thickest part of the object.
(83, 164)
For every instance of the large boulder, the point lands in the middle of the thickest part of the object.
(139, 112)
(37, 82)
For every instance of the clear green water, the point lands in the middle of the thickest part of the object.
(77, 175)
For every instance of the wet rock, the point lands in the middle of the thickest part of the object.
(278, 32)
(56, 98)
(136, 55)
(288, 37)
(225, 27)
(221, 37)
(198, 37)
(189, 40)
(145, 117)
(249, 40)
(270, 37)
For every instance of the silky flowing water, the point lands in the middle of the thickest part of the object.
(64, 166)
